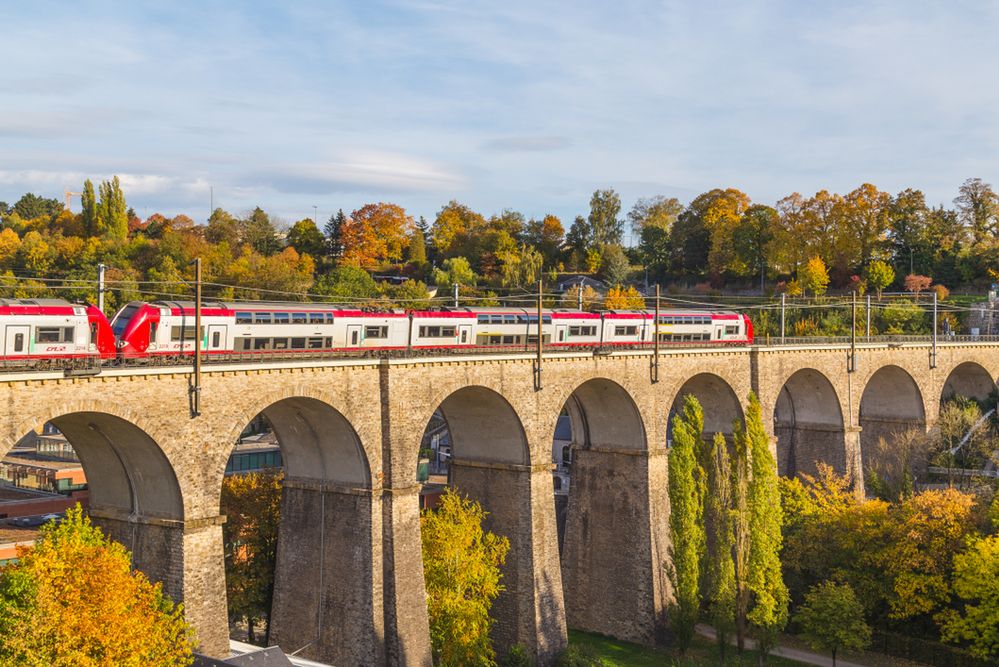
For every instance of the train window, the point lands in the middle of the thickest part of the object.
(19, 342)
(509, 319)
(280, 343)
(583, 331)
(625, 331)
(376, 332)
(216, 339)
(315, 343)
(437, 332)
(329, 341)
(316, 318)
(184, 333)
(510, 340)
(244, 318)
(483, 319)
(705, 320)
(242, 344)
(282, 318)
(329, 318)
(731, 331)
(533, 339)
(261, 343)
(263, 318)
(298, 343)
(54, 334)
(353, 337)
(153, 327)
(299, 318)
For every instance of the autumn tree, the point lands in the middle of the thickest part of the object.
(375, 234)
(605, 225)
(814, 277)
(917, 284)
(251, 504)
(459, 598)
(547, 235)
(752, 239)
(685, 487)
(879, 275)
(865, 225)
(832, 618)
(623, 298)
(657, 212)
(976, 583)
(721, 218)
(305, 237)
(590, 297)
(73, 600)
(691, 237)
(978, 208)
(10, 243)
(452, 226)
(768, 610)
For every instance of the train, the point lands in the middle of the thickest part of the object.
(44, 332)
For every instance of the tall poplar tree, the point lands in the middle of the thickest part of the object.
(89, 204)
(740, 530)
(686, 521)
(720, 566)
(768, 612)
(112, 212)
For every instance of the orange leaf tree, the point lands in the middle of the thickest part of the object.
(375, 234)
(73, 599)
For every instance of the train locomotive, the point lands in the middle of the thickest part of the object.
(45, 332)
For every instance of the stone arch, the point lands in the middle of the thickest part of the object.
(484, 427)
(809, 426)
(616, 497)
(968, 379)
(891, 403)
(718, 400)
(329, 527)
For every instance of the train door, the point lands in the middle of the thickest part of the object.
(719, 333)
(216, 337)
(560, 333)
(16, 340)
(464, 334)
(353, 335)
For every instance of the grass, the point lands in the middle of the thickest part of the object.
(615, 653)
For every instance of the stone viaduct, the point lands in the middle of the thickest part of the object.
(349, 583)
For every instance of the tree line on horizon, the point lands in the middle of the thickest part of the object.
(866, 238)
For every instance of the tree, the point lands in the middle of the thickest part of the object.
(978, 208)
(879, 275)
(864, 226)
(88, 202)
(461, 565)
(10, 243)
(547, 235)
(606, 228)
(768, 611)
(718, 515)
(32, 206)
(620, 298)
(976, 582)
(455, 271)
(305, 237)
(691, 237)
(73, 599)
(685, 520)
(579, 241)
(375, 234)
(917, 284)
(112, 212)
(333, 231)
(832, 618)
(417, 251)
(740, 532)
(658, 212)
(614, 266)
(909, 220)
(752, 239)
(814, 277)
(223, 227)
(453, 225)
(721, 217)
(571, 297)
(259, 232)
(347, 282)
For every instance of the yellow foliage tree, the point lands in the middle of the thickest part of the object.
(375, 234)
(621, 298)
(10, 243)
(591, 297)
(461, 565)
(73, 600)
(814, 276)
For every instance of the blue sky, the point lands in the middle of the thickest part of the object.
(523, 105)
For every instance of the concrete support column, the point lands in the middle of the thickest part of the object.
(327, 601)
(854, 459)
(802, 446)
(187, 557)
(615, 544)
(407, 628)
(521, 505)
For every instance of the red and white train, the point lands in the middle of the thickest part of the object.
(51, 330)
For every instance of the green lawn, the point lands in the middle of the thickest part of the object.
(625, 654)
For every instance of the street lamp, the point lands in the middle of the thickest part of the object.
(315, 215)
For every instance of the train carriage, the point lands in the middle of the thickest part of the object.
(37, 331)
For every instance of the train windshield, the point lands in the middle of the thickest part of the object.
(122, 319)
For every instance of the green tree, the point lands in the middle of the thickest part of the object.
(251, 504)
(259, 232)
(740, 532)
(614, 266)
(347, 282)
(814, 277)
(333, 231)
(417, 253)
(547, 235)
(223, 227)
(461, 564)
(659, 212)
(32, 206)
(976, 582)
(832, 618)
(768, 611)
(112, 212)
(88, 202)
(718, 515)
(73, 600)
(579, 241)
(605, 207)
(686, 520)
(305, 237)
(978, 208)
(879, 275)
(455, 271)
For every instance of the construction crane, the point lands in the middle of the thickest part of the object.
(69, 196)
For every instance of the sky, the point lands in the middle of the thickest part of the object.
(528, 105)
